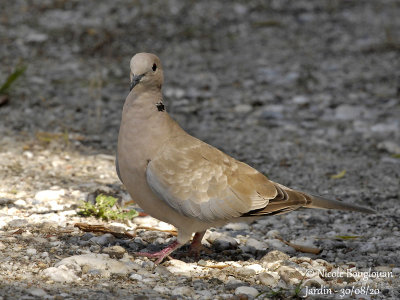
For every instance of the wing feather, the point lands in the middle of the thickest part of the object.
(202, 182)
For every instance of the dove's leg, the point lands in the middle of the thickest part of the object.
(160, 255)
(196, 246)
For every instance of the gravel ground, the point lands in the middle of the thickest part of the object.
(301, 90)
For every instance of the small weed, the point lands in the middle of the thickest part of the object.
(104, 209)
(19, 70)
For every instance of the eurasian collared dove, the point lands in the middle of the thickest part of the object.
(183, 181)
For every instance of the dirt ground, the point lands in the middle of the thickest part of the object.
(308, 92)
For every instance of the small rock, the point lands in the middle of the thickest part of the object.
(28, 154)
(390, 147)
(179, 267)
(300, 100)
(4, 201)
(237, 226)
(348, 112)
(49, 195)
(268, 279)
(246, 290)
(36, 37)
(205, 294)
(104, 239)
(395, 270)
(136, 277)
(274, 256)
(255, 245)
(115, 251)
(61, 274)
(2, 246)
(37, 292)
(233, 284)
(314, 282)
(17, 223)
(182, 291)
(99, 262)
(162, 289)
(290, 275)
(20, 203)
(31, 251)
(225, 243)
(243, 108)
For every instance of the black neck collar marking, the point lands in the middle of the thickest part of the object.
(160, 106)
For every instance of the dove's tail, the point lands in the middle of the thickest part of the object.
(319, 202)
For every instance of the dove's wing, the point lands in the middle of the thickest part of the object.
(200, 181)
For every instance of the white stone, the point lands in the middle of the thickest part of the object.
(182, 291)
(237, 226)
(300, 100)
(31, 251)
(98, 261)
(37, 292)
(348, 112)
(49, 195)
(162, 289)
(136, 277)
(20, 203)
(246, 290)
(243, 108)
(266, 278)
(255, 267)
(179, 267)
(61, 274)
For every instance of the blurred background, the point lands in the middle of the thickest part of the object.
(299, 89)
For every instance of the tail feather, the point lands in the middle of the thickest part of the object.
(320, 202)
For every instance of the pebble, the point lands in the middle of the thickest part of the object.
(225, 243)
(99, 262)
(179, 267)
(290, 275)
(31, 251)
(246, 290)
(348, 112)
(103, 240)
(61, 274)
(390, 147)
(20, 203)
(182, 291)
(37, 292)
(274, 256)
(268, 279)
(49, 195)
(136, 277)
(16, 223)
(115, 251)
(243, 108)
(300, 100)
(255, 245)
(237, 226)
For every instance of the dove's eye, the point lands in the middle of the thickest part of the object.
(154, 67)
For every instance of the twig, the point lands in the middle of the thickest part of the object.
(301, 248)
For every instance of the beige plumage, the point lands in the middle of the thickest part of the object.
(183, 181)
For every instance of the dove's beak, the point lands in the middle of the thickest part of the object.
(135, 80)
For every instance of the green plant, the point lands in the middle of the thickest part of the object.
(19, 70)
(104, 209)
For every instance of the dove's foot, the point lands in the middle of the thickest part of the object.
(160, 255)
(196, 246)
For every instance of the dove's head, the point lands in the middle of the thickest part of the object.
(146, 71)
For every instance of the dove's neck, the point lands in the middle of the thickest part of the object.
(145, 126)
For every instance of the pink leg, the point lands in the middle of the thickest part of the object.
(196, 246)
(160, 255)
